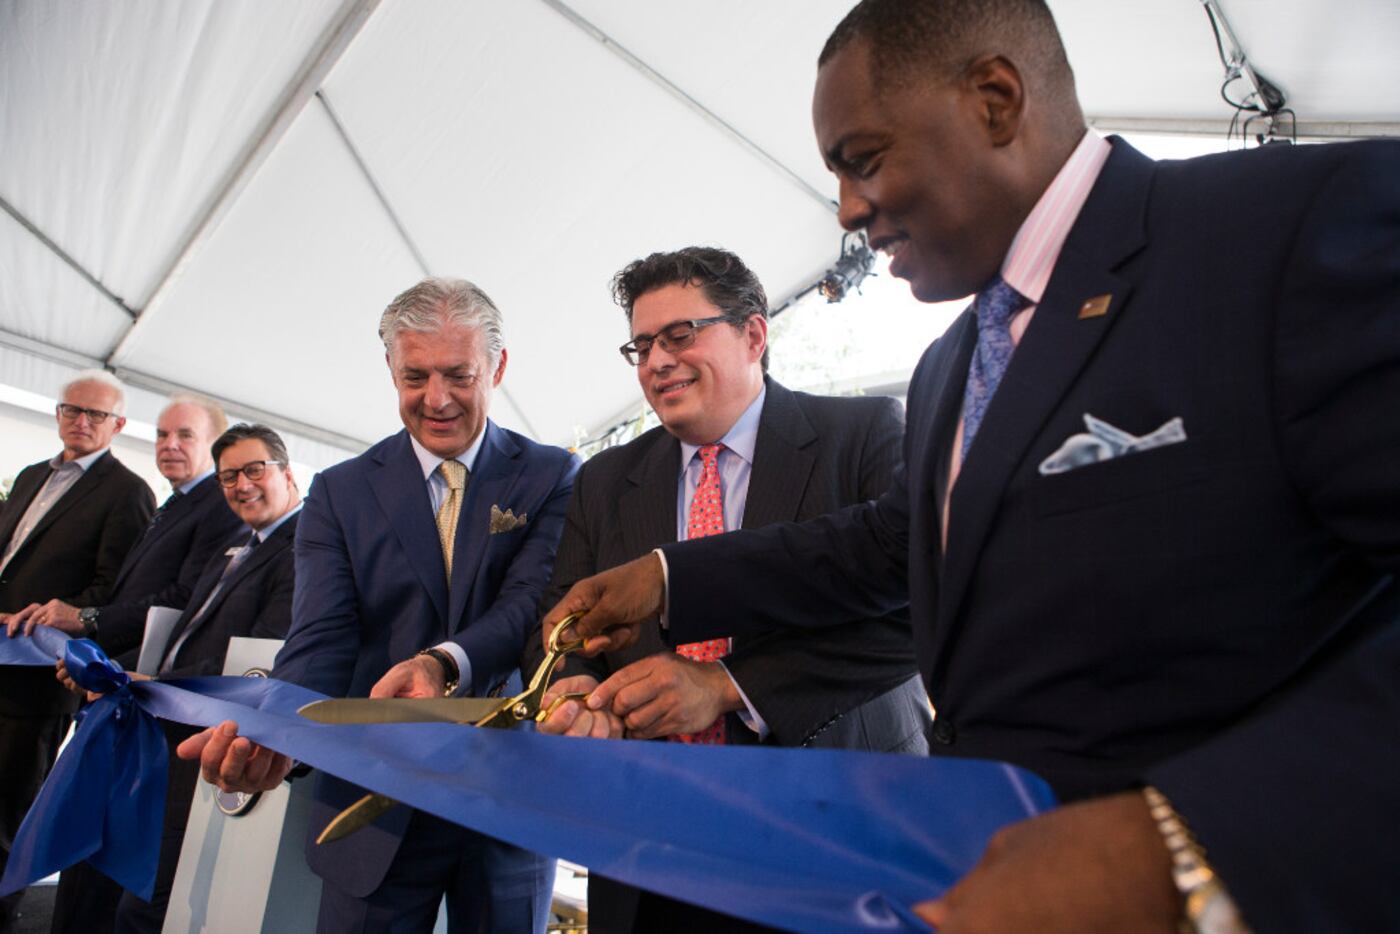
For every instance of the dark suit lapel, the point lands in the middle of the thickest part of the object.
(280, 541)
(398, 486)
(950, 381)
(782, 461)
(208, 580)
(1050, 356)
(86, 484)
(27, 487)
(646, 511)
(160, 525)
(646, 519)
(495, 473)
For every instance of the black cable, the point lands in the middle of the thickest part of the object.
(1219, 46)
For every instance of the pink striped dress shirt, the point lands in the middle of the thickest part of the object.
(1034, 250)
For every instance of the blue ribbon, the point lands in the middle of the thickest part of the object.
(814, 840)
(106, 794)
(43, 647)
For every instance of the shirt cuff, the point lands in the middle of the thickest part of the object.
(464, 667)
(666, 592)
(749, 716)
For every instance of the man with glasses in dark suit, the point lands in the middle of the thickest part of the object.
(735, 449)
(64, 532)
(245, 589)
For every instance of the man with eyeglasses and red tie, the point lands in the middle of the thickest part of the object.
(64, 532)
(734, 449)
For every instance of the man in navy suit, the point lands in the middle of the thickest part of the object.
(1149, 524)
(420, 566)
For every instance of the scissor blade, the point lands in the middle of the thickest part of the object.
(402, 710)
(357, 816)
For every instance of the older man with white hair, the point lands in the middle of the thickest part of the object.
(64, 532)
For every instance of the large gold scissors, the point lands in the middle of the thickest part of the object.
(491, 712)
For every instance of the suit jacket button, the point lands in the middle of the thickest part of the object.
(944, 733)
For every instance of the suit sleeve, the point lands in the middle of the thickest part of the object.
(324, 638)
(844, 566)
(1297, 804)
(800, 680)
(576, 559)
(495, 640)
(122, 525)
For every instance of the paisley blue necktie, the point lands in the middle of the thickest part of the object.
(994, 306)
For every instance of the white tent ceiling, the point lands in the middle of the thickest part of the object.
(223, 196)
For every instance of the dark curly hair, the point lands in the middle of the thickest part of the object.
(728, 284)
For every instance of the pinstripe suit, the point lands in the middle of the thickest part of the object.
(847, 687)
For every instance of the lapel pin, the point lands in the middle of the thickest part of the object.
(1095, 307)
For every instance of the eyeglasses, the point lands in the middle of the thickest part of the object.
(675, 336)
(71, 413)
(253, 470)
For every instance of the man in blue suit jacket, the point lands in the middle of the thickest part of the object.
(1163, 571)
(381, 610)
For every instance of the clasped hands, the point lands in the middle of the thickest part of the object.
(55, 613)
(654, 697)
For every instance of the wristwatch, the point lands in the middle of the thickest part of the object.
(450, 672)
(88, 617)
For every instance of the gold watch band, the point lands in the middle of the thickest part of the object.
(1207, 907)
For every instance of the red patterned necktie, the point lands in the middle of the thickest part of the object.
(706, 518)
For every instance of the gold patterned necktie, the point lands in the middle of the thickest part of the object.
(455, 473)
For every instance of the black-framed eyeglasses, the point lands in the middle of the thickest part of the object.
(675, 336)
(71, 413)
(253, 470)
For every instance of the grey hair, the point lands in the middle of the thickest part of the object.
(103, 377)
(218, 421)
(437, 301)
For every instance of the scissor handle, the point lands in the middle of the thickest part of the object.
(526, 705)
(554, 705)
(564, 648)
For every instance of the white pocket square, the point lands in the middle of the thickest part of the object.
(1104, 442)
